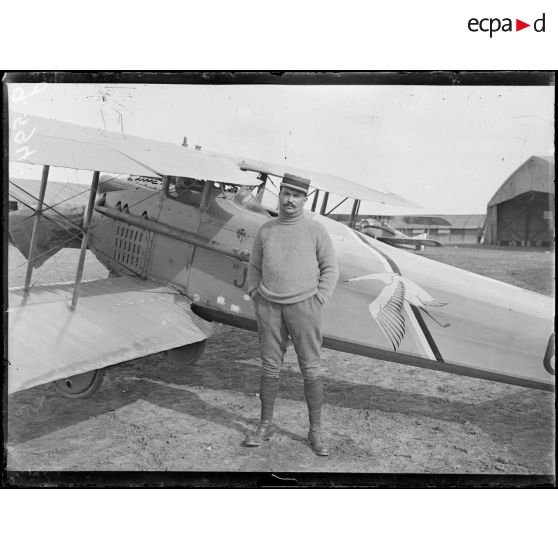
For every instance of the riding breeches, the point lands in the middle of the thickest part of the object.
(302, 322)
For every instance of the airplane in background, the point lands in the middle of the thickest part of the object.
(174, 228)
(383, 232)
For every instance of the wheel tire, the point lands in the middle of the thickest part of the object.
(187, 354)
(80, 386)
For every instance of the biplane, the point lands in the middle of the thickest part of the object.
(174, 227)
(385, 233)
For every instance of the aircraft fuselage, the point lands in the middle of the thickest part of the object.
(440, 317)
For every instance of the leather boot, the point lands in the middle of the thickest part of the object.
(316, 439)
(262, 433)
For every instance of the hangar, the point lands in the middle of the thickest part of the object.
(521, 212)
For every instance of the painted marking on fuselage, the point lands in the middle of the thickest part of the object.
(426, 340)
(221, 300)
(242, 235)
(240, 285)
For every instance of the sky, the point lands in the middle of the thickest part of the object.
(446, 148)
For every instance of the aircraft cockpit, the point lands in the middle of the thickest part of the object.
(186, 190)
(246, 199)
(198, 193)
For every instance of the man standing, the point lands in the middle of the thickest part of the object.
(291, 276)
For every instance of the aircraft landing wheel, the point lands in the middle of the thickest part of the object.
(188, 354)
(81, 385)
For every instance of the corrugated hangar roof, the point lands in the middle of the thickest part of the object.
(534, 175)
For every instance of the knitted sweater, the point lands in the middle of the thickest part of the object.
(292, 259)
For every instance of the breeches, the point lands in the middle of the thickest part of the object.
(302, 322)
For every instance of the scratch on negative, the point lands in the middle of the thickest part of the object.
(19, 412)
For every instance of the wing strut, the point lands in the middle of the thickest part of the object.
(85, 238)
(354, 213)
(261, 188)
(324, 203)
(315, 193)
(165, 188)
(34, 234)
(334, 208)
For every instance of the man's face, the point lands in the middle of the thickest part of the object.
(291, 201)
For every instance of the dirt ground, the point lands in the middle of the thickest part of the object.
(380, 417)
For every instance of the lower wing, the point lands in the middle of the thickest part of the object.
(116, 320)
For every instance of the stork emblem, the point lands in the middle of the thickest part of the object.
(387, 307)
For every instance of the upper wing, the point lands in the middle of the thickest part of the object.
(38, 140)
(116, 320)
(328, 182)
(40, 143)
